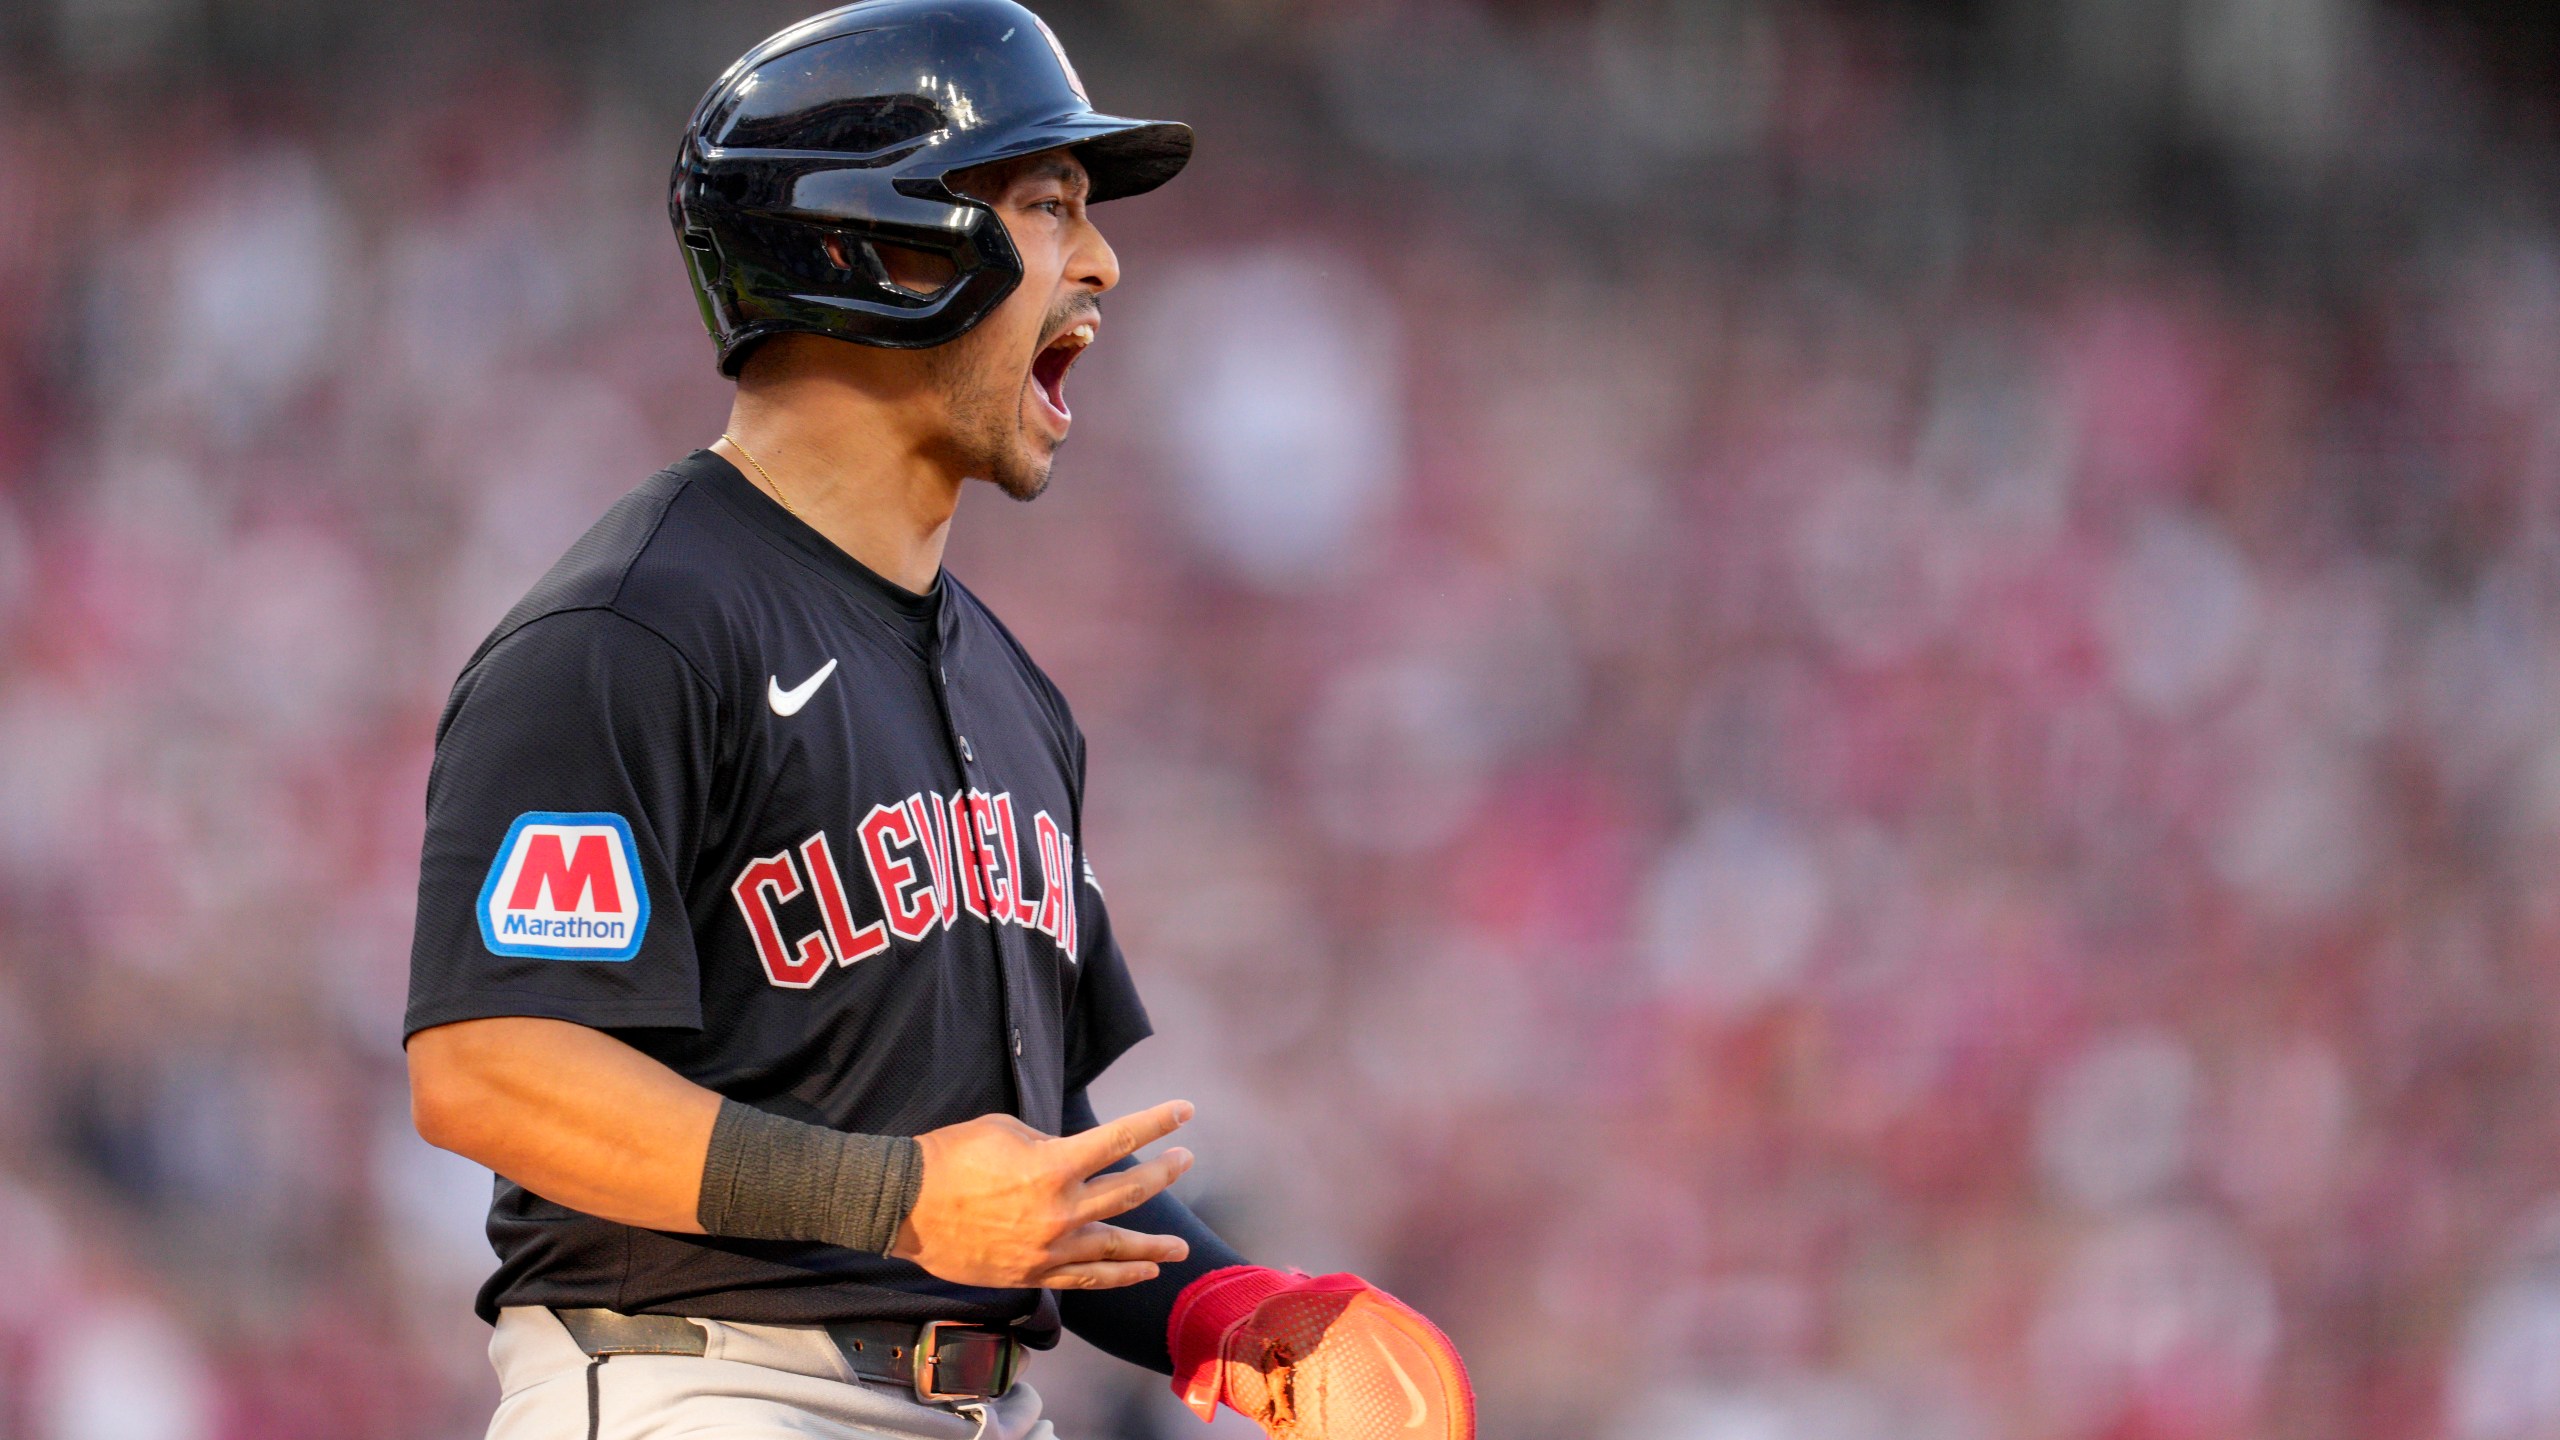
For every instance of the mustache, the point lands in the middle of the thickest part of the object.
(1069, 315)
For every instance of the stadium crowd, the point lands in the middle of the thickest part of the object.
(1821, 756)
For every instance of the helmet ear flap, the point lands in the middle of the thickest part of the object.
(854, 258)
(899, 269)
(815, 244)
(839, 263)
(702, 259)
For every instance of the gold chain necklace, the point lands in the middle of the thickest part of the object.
(768, 475)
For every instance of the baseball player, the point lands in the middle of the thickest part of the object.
(757, 950)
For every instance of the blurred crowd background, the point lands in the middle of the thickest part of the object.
(1838, 721)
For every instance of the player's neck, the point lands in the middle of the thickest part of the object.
(862, 473)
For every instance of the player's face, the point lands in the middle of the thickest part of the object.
(1006, 379)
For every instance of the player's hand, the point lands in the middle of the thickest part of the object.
(1007, 1207)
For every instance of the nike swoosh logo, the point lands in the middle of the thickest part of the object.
(787, 703)
(1412, 1392)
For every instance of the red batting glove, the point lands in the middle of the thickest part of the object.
(1322, 1357)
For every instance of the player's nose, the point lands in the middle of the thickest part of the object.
(1095, 263)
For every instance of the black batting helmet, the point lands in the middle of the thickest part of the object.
(836, 135)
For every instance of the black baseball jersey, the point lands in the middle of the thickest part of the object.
(810, 840)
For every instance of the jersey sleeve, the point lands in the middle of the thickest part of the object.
(1107, 1017)
(567, 798)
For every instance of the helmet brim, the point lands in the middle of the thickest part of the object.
(1123, 157)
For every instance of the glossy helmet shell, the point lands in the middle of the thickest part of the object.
(839, 133)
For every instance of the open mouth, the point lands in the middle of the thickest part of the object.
(1049, 368)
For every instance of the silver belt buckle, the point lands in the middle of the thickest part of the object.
(928, 1363)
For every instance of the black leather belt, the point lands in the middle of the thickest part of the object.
(940, 1360)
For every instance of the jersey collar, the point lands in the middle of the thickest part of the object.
(871, 592)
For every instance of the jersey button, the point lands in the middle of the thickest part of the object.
(1017, 1042)
(965, 752)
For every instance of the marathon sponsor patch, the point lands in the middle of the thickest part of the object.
(565, 887)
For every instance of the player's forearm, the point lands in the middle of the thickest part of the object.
(1130, 1322)
(580, 1118)
(568, 1112)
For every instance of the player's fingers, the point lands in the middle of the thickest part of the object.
(1122, 1191)
(1088, 1244)
(1117, 1139)
(1097, 1275)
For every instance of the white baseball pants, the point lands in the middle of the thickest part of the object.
(753, 1382)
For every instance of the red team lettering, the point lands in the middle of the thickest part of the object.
(998, 865)
(851, 944)
(964, 843)
(930, 858)
(912, 909)
(791, 967)
(1052, 842)
(1025, 911)
(933, 835)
